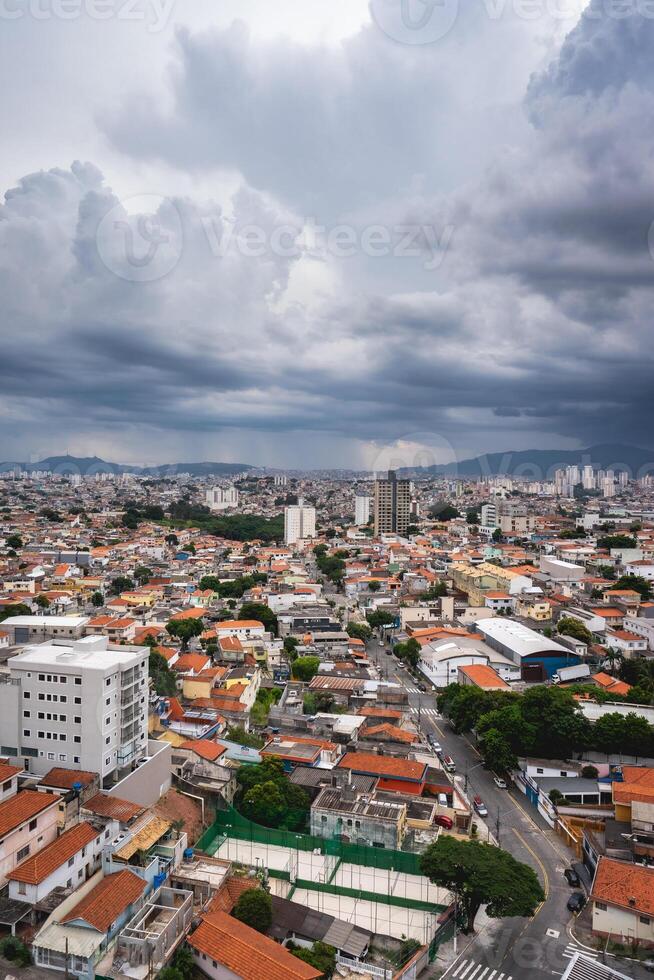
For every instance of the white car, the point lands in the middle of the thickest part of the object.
(499, 782)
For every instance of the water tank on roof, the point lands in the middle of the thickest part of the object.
(188, 854)
(159, 880)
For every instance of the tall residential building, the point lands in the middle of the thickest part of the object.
(299, 522)
(588, 478)
(221, 498)
(361, 509)
(392, 505)
(81, 704)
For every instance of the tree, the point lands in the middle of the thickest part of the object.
(472, 517)
(497, 534)
(14, 541)
(380, 617)
(254, 908)
(589, 772)
(42, 602)
(143, 574)
(481, 874)
(14, 609)
(321, 956)
(304, 668)
(497, 752)
(260, 612)
(163, 680)
(290, 645)
(617, 541)
(443, 512)
(172, 540)
(184, 630)
(121, 584)
(637, 583)
(435, 591)
(359, 631)
(97, 599)
(569, 626)
(236, 733)
(265, 804)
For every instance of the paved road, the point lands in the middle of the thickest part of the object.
(536, 948)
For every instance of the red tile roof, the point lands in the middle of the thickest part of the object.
(22, 807)
(113, 807)
(59, 778)
(104, 903)
(630, 886)
(40, 866)
(484, 676)
(8, 771)
(247, 953)
(383, 765)
(205, 748)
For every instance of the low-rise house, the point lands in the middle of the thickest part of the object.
(67, 861)
(295, 751)
(358, 818)
(82, 928)
(224, 948)
(73, 787)
(623, 903)
(28, 821)
(397, 775)
(629, 644)
(8, 780)
(482, 676)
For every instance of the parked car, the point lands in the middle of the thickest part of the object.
(576, 902)
(444, 821)
(480, 806)
(449, 764)
(572, 877)
(499, 782)
(436, 747)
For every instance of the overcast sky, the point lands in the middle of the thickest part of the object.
(325, 232)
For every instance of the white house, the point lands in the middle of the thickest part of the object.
(64, 863)
(8, 780)
(27, 822)
(623, 902)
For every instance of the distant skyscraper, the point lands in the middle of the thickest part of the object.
(588, 478)
(361, 509)
(220, 498)
(392, 507)
(299, 522)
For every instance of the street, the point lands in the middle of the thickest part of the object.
(538, 947)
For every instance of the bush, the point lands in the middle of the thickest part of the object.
(16, 951)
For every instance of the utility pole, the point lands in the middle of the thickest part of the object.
(497, 825)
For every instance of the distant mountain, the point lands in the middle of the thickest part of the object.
(541, 463)
(90, 465)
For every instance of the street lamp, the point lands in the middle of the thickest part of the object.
(468, 770)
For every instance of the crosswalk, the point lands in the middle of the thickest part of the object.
(425, 711)
(471, 970)
(570, 951)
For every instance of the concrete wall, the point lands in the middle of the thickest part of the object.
(148, 783)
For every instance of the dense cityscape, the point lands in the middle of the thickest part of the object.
(379, 725)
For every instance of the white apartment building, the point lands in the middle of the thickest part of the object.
(222, 498)
(81, 704)
(299, 522)
(361, 509)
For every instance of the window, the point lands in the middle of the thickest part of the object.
(63, 699)
(107, 740)
(32, 824)
(78, 700)
(77, 719)
(644, 920)
(27, 714)
(26, 734)
(51, 756)
(41, 734)
(22, 888)
(24, 851)
(108, 701)
(6, 786)
(600, 906)
(107, 721)
(76, 759)
(26, 694)
(62, 756)
(62, 680)
(71, 862)
(41, 677)
(78, 680)
(62, 717)
(76, 738)
(540, 771)
(107, 682)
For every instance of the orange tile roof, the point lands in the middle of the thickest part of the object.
(228, 894)
(247, 953)
(370, 712)
(231, 624)
(8, 771)
(383, 765)
(630, 886)
(189, 614)
(60, 778)
(205, 748)
(611, 684)
(104, 903)
(113, 807)
(191, 661)
(40, 866)
(484, 676)
(22, 807)
(397, 734)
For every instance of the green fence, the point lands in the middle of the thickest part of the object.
(230, 823)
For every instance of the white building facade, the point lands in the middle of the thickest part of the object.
(299, 522)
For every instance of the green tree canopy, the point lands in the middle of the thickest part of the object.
(184, 630)
(14, 541)
(481, 874)
(611, 541)
(321, 956)
(359, 631)
(569, 626)
(14, 609)
(637, 583)
(304, 668)
(380, 617)
(260, 612)
(254, 908)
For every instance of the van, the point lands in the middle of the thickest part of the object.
(442, 799)
(448, 764)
